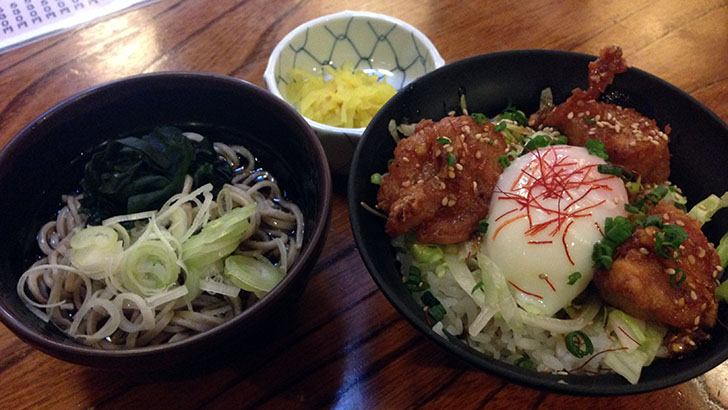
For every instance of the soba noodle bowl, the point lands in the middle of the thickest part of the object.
(105, 308)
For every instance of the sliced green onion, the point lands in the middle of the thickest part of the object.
(443, 140)
(616, 231)
(500, 126)
(589, 119)
(479, 118)
(579, 344)
(615, 170)
(632, 209)
(573, 278)
(504, 161)
(596, 148)
(483, 226)
(671, 237)
(657, 194)
(525, 362)
(451, 159)
(478, 286)
(678, 278)
(539, 141)
(376, 178)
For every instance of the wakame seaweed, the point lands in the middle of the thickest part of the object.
(136, 174)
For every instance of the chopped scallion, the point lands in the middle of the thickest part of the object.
(478, 286)
(677, 279)
(483, 226)
(479, 118)
(579, 344)
(573, 278)
(500, 126)
(589, 119)
(376, 178)
(443, 140)
(451, 159)
(596, 148)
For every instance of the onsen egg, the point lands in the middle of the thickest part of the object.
(547, 212)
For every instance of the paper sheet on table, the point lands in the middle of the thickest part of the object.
(25, 21)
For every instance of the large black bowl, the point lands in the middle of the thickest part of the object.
(699, 145)
(45, 160)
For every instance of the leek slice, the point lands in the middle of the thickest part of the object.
(219, 238)
(96, 251)
(252, 274)
(149, 267)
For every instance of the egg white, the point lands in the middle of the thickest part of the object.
(560, 189)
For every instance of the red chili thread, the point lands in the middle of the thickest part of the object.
(597, 354)
(523, 291)
(555, 180)
(563, 240)
(630, 337)
(539, 242)
(546, 278)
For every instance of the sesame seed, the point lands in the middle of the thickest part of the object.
(459, 166)
(600, 124)
(437, 153)
(666, 216)
(697, 320)
(451, 114)
(406, 184)
(644, 251)
(449, 149)
(681, 302)
(598, 117)
(444, 201)
(719, 268)
(451, 203)
(587, 112)
(670, 271)
(701, 252)
(654, 142)
(478, 155)
(715, 274)
(466, 129)
(619, 108)
(693, 295)
(679, 222)
(632, 143)
(420, 181)
(691, 259)
(570, 115)
(615, 200)
(703, 306)
(451, 174)
(690, 341)
(617, 128)
(405, 159)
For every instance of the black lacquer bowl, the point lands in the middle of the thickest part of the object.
(46, 159)
(699, 147)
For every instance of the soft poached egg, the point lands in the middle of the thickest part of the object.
(547, 212)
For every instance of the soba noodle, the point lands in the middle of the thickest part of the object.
(103, 313)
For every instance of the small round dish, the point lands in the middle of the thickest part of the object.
(490, 82)
(375, 43)
(46, 159)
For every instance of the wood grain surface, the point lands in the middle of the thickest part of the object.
(344, 346)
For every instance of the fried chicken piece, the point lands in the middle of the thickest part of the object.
(640, 280)
(632, 140)
(442, 202)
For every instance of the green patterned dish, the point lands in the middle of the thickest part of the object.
(377, 44)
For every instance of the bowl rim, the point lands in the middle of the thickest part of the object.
(270, 76)
(81, 354)
(470, 356)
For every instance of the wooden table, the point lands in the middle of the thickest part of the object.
(344, 346)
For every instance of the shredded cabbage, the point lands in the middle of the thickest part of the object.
(705, 209)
